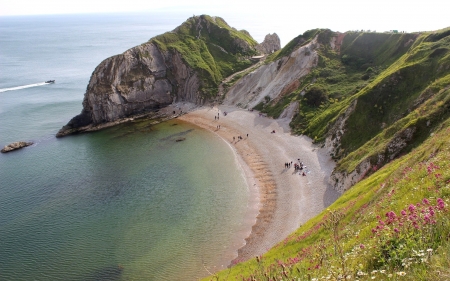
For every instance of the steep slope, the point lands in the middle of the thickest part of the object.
(381, 104)
(359, 98)
(186, 64)
(279, 76)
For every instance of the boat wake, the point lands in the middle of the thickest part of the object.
(25, 86)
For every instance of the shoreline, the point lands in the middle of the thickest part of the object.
(282, 197)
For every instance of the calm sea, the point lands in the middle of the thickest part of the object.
(126, 203)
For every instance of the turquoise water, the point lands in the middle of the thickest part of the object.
(125, 203)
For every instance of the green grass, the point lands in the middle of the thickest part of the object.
(395, 223)
(211, 47)
(355, 238)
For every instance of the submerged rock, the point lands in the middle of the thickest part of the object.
(15, 145)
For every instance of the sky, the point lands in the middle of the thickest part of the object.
(288, 18)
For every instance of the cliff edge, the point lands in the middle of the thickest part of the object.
(186, 64)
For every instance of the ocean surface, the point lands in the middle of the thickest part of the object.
(125, 203)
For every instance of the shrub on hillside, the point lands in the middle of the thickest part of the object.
(315, 96)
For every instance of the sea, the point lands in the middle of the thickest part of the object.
(124, 203)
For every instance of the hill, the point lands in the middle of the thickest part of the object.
(380, 103)
(186, 64)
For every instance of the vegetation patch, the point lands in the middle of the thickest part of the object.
(391, 226)
(211, 47)
(395, 223)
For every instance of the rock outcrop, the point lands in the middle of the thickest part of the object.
(270, 44)
(15, 145)
(175, 66)
(133, 83)
(270, 80)
(343, 180)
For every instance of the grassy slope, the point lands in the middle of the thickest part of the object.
(398, 99)
(354, 237)
(406, 86)
(218, 52)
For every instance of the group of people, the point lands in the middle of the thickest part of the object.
(297, 167)
(239, 138)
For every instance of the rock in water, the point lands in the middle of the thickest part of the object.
(15, 145)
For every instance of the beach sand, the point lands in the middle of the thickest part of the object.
(283, 198)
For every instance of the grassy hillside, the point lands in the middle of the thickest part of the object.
(211, 47)
(389, 76)
(395, 223)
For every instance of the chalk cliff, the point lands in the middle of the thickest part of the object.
(275, 78)
(186, 64)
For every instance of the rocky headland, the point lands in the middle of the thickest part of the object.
(186, 64)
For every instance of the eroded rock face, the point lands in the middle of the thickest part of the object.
(15, 145)
(142, 79)
(342, 181)
(272, 79)
(270, 44)
(336, 132)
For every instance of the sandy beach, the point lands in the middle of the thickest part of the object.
(284, 199)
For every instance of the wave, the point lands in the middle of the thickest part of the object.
(23, 87)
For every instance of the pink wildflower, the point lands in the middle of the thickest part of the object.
(440, 204)
(411, 208)
(425, 201)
